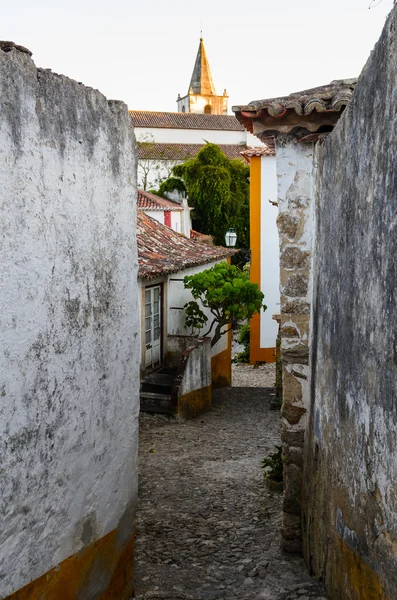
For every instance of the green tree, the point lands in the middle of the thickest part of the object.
(218, 190)
(228, 294)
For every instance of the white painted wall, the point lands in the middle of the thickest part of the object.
(197, 374)
(69, 324)
(178, 296)
(192, 136)
(156, 214)
(183, 103)
(157, 171)
(177, 221)
(270, 262)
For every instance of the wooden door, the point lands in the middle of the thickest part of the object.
(153, 326)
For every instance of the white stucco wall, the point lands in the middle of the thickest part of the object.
(177, 222)
(183, 103)
(69, 322)
(156, 214)
(191, 136)
(197, 374)
(155, 172)
(177, 298)
(269, 247)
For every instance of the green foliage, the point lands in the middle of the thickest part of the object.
(272, 466)
(218, 190)
(228, 294)
(244, 339)
(195, 318)
(171, 184)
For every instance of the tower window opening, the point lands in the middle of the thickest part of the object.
(208, 109)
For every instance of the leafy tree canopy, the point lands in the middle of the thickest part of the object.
(171, 184)
(228, 294)
(218, 190)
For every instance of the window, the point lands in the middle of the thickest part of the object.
(207, 109)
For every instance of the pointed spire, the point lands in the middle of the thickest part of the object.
(201, 82)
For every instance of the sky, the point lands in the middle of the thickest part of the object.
(143, 52)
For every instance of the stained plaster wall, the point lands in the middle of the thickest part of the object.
(178, 296)
(197, 367)
(69, 326)
(295, 176)
(350, 500)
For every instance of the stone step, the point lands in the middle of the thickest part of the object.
(160, 382)
(152, 402)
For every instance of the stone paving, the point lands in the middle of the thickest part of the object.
(208, 528)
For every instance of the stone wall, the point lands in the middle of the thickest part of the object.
(350, 500)
(69, 358)
(295, 224)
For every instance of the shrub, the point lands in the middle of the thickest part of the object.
(244, 339)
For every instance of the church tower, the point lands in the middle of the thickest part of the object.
(201, 97)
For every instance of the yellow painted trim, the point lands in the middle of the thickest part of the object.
(255, 242)
(221, 366)
(194, 403)
(352, 577)
(265, 355)
(106, 566)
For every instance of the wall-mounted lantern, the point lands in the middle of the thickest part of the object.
(230, 238)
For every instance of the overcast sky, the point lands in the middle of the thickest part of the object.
(143, 51)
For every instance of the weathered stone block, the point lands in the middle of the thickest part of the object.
(299, 307)
(288, 331)
(301, 322)
(296, 284)
(294, 258)
(292, 502)
(292, 413)
(291, 534)
(287, 225)
(296, 354)
(293, 456)
(292, 438)
(292, 387)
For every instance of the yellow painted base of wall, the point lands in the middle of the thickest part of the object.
(194, 403)
(265, 355)
(258, 354)
(221, 368)
(352, 578)
(103, 570)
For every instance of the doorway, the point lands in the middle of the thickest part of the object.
(153, 326)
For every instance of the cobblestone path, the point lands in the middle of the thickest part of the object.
(208, 528)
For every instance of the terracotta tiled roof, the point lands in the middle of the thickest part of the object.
(310, 109)
(162, 250)
(158, 151)
(170, 120)
(261, 151)
(148, 201)
(201, 237)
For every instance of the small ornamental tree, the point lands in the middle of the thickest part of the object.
(218, 191)
(228, 294)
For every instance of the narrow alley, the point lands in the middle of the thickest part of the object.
(208, 527)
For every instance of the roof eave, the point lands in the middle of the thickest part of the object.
(187, 265)
(262, 124)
